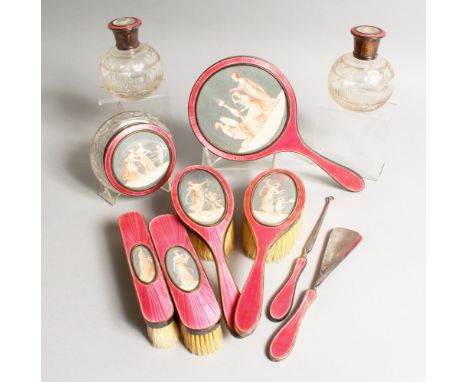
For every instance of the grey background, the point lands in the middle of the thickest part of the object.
(367, 324)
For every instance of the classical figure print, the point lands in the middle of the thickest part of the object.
(252, 117)
(269, 193)
(141, 160)
(241, 109)
(130, 167)
(274, 199)
(143, 264)
(202, 197)
(195, 195)
(143, 157)
(182, 269)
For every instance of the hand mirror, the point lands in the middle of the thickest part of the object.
(244, 108)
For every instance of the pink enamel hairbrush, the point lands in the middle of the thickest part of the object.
(197, 308)
(273, 204)
(151, 290)
(243, 108)
(203, 200)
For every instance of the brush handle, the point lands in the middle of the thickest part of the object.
(249, 306)
(344, 176)
(227, 287)
(282, 302)
(283, 342)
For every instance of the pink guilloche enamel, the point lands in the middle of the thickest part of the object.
(197, 309)
(155, 302)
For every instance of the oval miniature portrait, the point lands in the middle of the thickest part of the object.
(273, 199)
(143, 264)
(241, 109)
(141, 160)
(202, 197)
(182, 269)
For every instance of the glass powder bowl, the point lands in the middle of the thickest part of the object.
(130, 70)
(362, 80)
(133, 154)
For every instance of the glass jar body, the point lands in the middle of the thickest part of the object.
(131, 74)
(360, 85)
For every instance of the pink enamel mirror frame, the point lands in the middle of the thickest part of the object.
(113, 144)
(213, 235)
(249, 306)
(288, 141)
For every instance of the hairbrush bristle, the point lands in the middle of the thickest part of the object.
(202, 249)
(280, 247)
(165, 337)
(248, 239)
(202, 344)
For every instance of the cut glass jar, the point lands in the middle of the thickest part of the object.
(130, 70)
(362, 80)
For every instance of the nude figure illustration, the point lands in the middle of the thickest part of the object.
(234, 129)
(195, 195)
(130, 167)
(251, 89)
(144, 159)
(160, 153)
(215, 202)
(253, 111)
(145, 266)
(180, 266)
(268, 194)
(252, 114)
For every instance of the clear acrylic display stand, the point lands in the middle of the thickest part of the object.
(354, 139)
(215, 161)
(111, 196)
(287, 160)
(157, 104)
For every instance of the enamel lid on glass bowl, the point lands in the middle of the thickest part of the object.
(139, 159)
